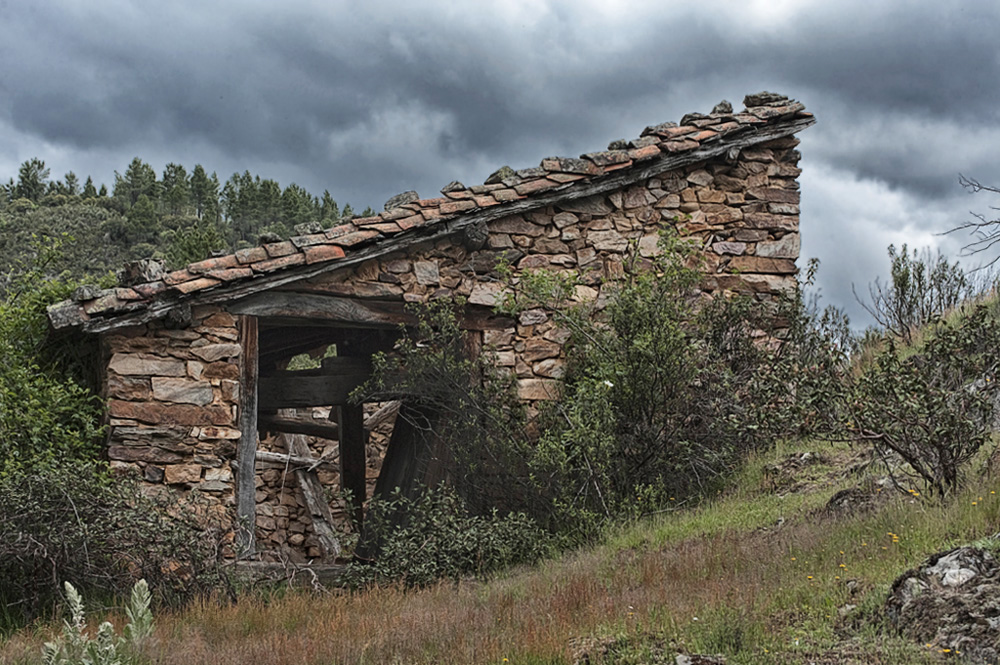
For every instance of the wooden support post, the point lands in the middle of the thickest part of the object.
(353, 464)
(246, 450)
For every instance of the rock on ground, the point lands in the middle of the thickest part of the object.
(951, 601)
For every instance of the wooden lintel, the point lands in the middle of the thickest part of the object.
(318, 307)
(307, 388)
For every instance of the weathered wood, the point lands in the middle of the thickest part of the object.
(353, 464)
(310, 576)
(385, 412)
(313, 387)
(323, 429)
(312, 491)
(318, 307)
(246, 449)
(405, 459)
(294, 460)
(228, 292)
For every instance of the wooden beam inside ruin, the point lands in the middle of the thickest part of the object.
(353, 463)
(329, 385)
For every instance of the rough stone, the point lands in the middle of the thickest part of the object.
(213, 352)
(786, 248)
(174, 474)
(735, 248)
(426, 272)
(755, 264)
(183, 391)
(133, 365)
(607, 241)
(538, 389)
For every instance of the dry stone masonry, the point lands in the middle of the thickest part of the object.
(182, 350)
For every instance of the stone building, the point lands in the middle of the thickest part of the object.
(195, 360)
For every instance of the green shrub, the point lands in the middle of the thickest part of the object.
(47, 414)
(933, 409)
(438, 538)
(77, 522)
(921, 287)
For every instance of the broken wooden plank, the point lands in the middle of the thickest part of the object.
(298, 461)
(312, 491)
(323, 429)
(246, 449)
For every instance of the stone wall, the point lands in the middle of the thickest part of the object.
(172, 401)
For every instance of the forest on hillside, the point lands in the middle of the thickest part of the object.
(179, 216)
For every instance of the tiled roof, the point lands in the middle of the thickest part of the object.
(507, 191)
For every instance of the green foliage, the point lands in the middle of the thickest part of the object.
(77, 522)
(47, 417)
(192, 242)
(932, 410)
(477, 415)
(105, 648)
(441, 539)
(662, 399)
(921, 288)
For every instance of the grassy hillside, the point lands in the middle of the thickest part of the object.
(764, 573)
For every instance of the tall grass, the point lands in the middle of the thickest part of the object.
(729, 576)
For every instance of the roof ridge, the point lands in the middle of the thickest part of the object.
(407, 214)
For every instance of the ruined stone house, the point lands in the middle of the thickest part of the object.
(195, 360)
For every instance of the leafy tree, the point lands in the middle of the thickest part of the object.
(32, 178)
(89, 191)
(176, 189)
(329, 212)
(192, 242)
(921, 287)
(71, 184)
(204, 192)
(297, 206)
(46, 418)
(138, 180)
(928, 413)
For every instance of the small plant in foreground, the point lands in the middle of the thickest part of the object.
(104, 648)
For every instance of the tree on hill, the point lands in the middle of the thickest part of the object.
(32, 178)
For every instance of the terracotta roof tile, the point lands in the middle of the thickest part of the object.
(199, 284)
(351, 239)
(317, 253)
(278, 249)
(251, 254)
(410, 221)
(177, 276)
(281, 262)
(217, 263)
(230, 274)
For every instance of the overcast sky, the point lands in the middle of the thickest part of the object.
(371, 101)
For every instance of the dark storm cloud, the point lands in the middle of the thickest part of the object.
(369, 101)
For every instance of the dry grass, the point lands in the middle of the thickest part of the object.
(721, 578)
